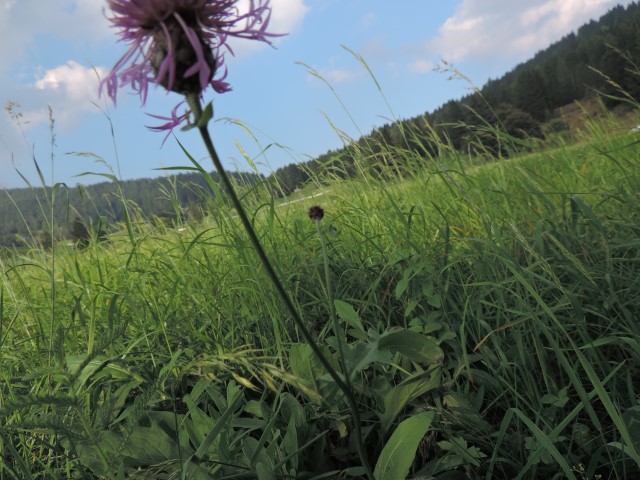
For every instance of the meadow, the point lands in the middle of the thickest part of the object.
(483, 312)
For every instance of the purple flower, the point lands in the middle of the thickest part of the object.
(180, 44)
(170, 122)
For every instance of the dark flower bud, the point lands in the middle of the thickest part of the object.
(316, 213)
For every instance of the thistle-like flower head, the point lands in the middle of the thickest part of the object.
(180, 44)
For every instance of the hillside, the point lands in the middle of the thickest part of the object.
(526, 102)
(535, 100)
(25, 212)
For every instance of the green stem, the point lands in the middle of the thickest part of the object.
(332, 308)
(196, 109)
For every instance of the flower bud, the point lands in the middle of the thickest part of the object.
(316, 213)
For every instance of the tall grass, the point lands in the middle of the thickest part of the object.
(488, 311)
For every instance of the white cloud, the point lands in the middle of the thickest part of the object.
(286, 18)
(70, 89)
(35, 32)
(341, 75)
(510, 29)
(21, 21)
(75, 82)
(367, 20)
(287, 15)
(376, 49)
(421, 66)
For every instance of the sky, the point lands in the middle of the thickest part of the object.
(289, 101)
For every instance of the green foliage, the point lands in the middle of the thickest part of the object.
(168, 199)
(530, 94)
(398, 454)
(489, 330)
(483, 314)
(79, 232)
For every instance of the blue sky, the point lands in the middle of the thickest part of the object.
(58, 46)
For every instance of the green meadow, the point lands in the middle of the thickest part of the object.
(484, 313)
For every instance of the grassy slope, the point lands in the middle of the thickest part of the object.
(525, 272)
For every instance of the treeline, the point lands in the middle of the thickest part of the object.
(84, 210)
(519, 104)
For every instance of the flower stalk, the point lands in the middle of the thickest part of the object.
(340, 338)
(180, 45)
(343, 383)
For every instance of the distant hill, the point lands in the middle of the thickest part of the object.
(24, 212)
(521, 102)
(529, 101)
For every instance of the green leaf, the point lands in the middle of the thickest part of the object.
(414, 345)
(137, 450)
(290, 442)
(200, 423)
(291, 408)
(559, 400)
(258, 409)
(435, 301)
(98, 367)
(145, 452)
(304, 363)
(411, 307)
(347, 313)
(207, 114)
(194, 471)
(403, 284)
(399, 396)
(93, 454)
(359, 356)
(263, 472)
(399, 452)
(255, 455)
(458, 445)
(631, 418)
(218, 427)
(577, 203)
(307, 367)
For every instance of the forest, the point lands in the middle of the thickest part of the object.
(524, 104)
(89, 210)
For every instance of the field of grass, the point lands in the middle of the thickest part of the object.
(485, 315)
